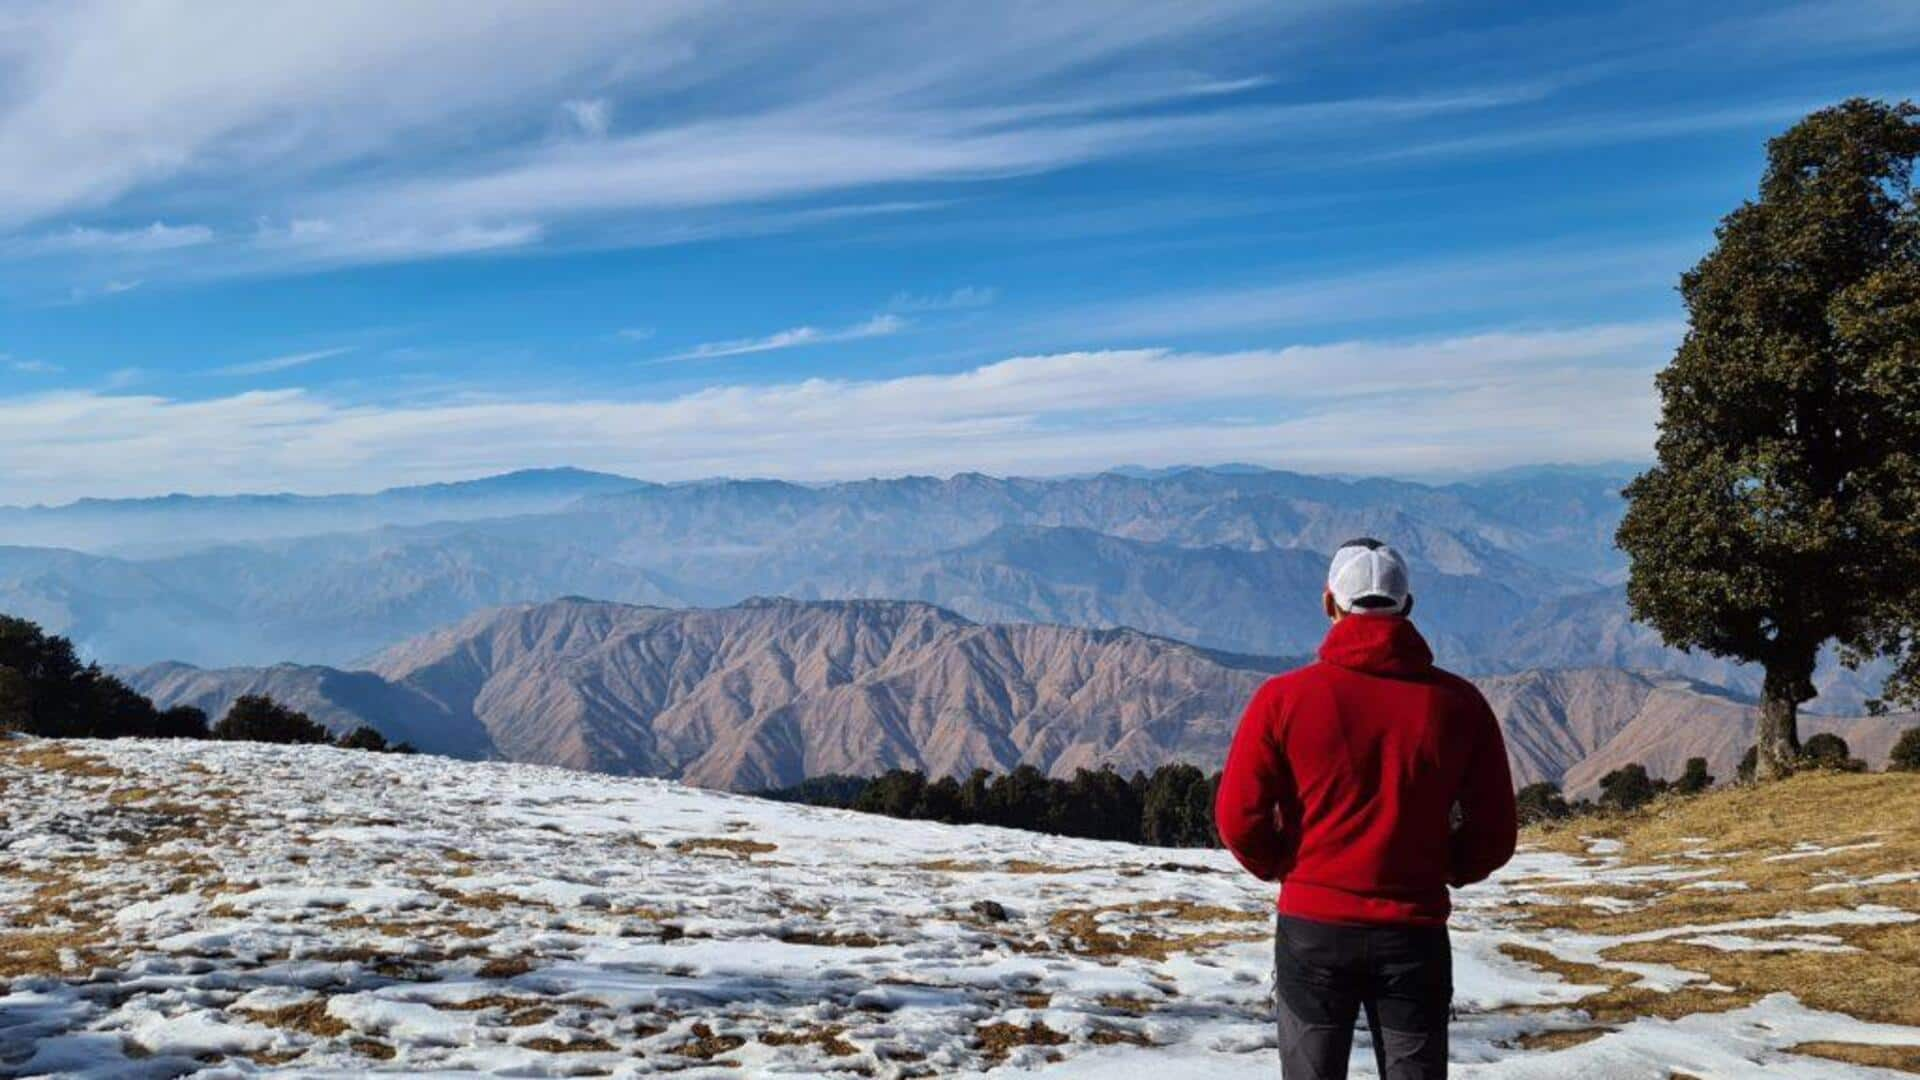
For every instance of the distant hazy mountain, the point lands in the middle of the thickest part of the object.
(177, 522)
(1515, 572)
(769, 692)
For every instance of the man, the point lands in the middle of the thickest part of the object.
(1366, 783)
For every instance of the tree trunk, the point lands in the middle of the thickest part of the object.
(1778, 741)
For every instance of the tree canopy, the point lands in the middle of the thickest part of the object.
(1784, 510)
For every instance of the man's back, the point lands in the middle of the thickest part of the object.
(1365, 756)
(1366, 784)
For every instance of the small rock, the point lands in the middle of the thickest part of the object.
(990, 910)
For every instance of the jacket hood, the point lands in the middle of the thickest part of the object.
(1377, 645)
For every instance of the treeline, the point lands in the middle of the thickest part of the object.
(1630, 787)
(1171, 807)
(46, 690)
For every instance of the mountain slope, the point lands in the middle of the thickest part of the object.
(339, 700)
(770, 692)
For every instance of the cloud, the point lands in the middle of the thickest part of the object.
(30, 367)
(1415, 406)
(281, 363)
(591, 116)
(959, 299)
(356, 131)
(1527, 280)
(878, 326)
(159, 236)
(635, 333)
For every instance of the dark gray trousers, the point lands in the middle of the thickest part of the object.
(1325, 975)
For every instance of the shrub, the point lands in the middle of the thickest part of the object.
(181, 722)
(1829, 751)
(1695, 778)
(1906, 752)
(364, 738)
(1749, 761)
(259, 718)
(1541, 802)
(1627, 788)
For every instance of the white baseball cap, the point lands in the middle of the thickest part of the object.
(1369, 577)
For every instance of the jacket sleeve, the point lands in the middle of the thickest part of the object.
(1489, 825)
(1250, 790)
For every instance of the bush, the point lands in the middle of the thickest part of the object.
(1695, 778)
(1906, 752)
(1541, 802)
(1829, 751)
(1749, 761)
(259, 718)
(364, 738)
(181, 722)
(1627, 788)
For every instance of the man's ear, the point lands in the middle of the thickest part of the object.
(1408, 610)
(1326, 604)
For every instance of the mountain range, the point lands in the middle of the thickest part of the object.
(1514, 572)
(771, 691)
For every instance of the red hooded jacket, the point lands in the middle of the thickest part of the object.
(1344, 776)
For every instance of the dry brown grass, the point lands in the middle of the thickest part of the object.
(854, 940)
(1903, 1058)
(1878, 983)
(1118, 1037)
(1620, 1001)
(1000, 1039)
(1739, 833)
(1012, 866)
(1083, 934)
(589, 1045)
(310, 1017)
(40, 952)
(828, 1039)
(724, 845)
(50, 757)
(1559, 1038)
(706, 1046)
(372, 1048)
(505, 967)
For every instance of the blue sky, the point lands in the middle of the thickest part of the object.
(292, 246)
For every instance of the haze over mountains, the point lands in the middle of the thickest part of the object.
(1517, 571)
(769, 692)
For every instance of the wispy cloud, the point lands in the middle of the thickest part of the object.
(158, 236)
(30, 367)
(590, 116)
(1479, 401)
(281, 363)
(793, 338)
(635, 333)
(967, 296)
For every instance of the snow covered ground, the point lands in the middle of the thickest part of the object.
(225, 910)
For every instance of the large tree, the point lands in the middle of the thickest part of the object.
(1784, 510)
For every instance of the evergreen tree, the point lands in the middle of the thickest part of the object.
(941, 801)
(1784, 509)
(1695, 778)
(1906, 752)
(259, 718)
(364, 738)
(1627, 788)
(182, 722)
(1540, 802)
